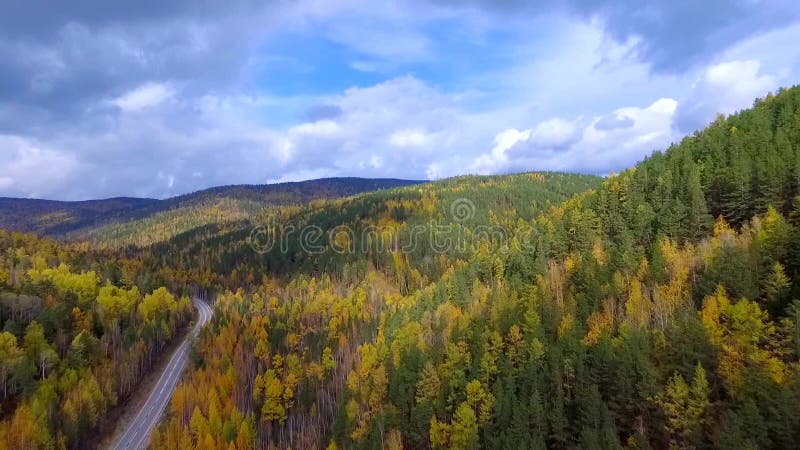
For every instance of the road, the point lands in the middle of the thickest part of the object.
(137, 435)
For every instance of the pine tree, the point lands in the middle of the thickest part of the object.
(775, 289)
(699, 222)
(686, 408)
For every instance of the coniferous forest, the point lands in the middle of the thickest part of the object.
(654, 308)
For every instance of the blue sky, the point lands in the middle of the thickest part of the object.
(101, 99)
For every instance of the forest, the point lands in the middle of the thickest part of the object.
(654, 308)
(658, 309)
(78, 331)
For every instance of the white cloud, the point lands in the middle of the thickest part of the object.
(554, 134)
(576, 68)
(724, 88)
(562, 145)
(318, 128)
(392, 128)
(497, 159)
(409, 138)
(30, 169)
(147, 95)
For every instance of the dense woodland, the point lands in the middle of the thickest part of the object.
(220, 205)
(163, 225)
(385, 220)
(116, 222)
(657, 310)
(77, 333)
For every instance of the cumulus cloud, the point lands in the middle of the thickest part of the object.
(395, 126)
(554, 134)
(612, 122)
(497, 160)
(587, 148)
(158, 148)
(512, 146)
(31, 170)
(723, 88)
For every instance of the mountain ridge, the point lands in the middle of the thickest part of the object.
(59, 217)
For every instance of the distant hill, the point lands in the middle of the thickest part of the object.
(103, 218)
(47, 216)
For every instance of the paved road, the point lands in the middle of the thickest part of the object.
(137, 435)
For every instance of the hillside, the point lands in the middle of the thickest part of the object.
(658, 310)
(47, 217)
(490, 201)
(119, 221)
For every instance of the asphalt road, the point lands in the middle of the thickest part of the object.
(137, 435)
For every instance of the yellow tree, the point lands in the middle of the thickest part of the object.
(686, 408)
(273, 408)
(367, 383)
(10, 356)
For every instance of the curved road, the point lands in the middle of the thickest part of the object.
(137, 434)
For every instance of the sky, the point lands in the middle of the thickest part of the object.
(150, 98)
